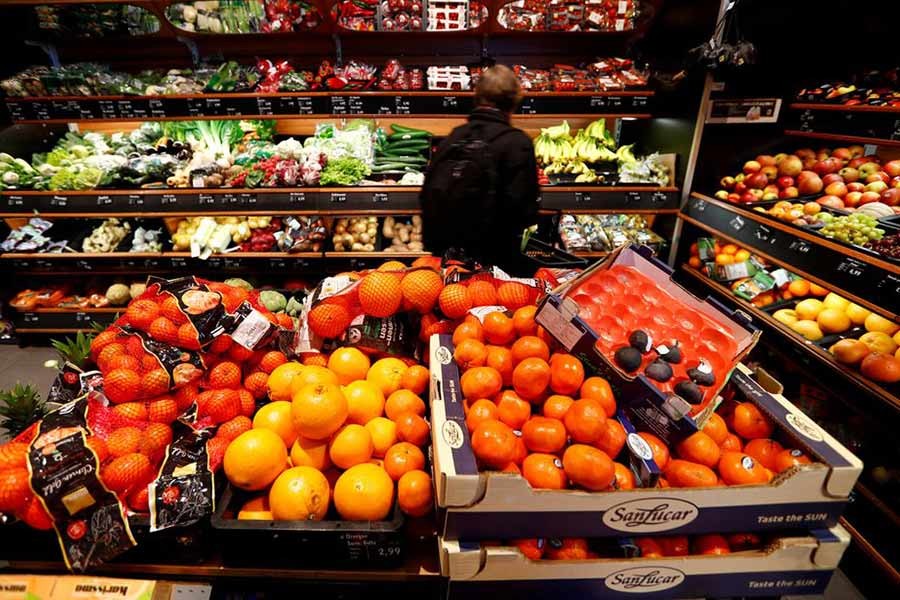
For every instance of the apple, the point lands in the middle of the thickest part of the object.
(842, 153)
(809, 185)
(857, 162)
(770, 196)
(869, 168)
(780, 157)
(856, 151)
(809, 162)
(771, 188)
(751, 166)
(757, 181)
(727, 182)
(831, 201)
(891, 196)
(740, 187)
(822, 154)
(790, 166)
(836, 188)
(788, 193)
(831, 178)
(734, 198)
(892, 168)
(785, 181)
(770, 171)
(805, 153)
(856, 186)
(851, 200)
(895, 181)
(868, 197)
(884, 176)
(739, 177)
(721, 195)
(849, 174)
(873, 158)
(876, 186)
(766, 160)
(747, 198)
(756, 193)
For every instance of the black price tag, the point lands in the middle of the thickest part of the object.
(157, 107)
(206, 199)
(104, 200)
(31, 318)
(582, 197)
(801, 247)
(764, 234)
(452, 102)
(304, 106)
(658, 197)
(355, 105)
(82, 317)
(698, 205)
(338, 197)
(232, 263)
(195, 107)
(640, 101)
(599, 101)
(402, 105)
(380, 197)
(264, 106)
(853, 268)
(125, 109)
(297, 197)
(214, 262)
(230, 199)
(529, 106)
(84, 265)
(41, 111)
(339, 105)
(212, 107)
(277, 264)
(168, 199)
(59, 201)
(107, 109)
(737, 223)
(16, 111)
(21, 264)
(179, 262)
(135, 200)
(248, 199)
(633, 197)
(615, 102)
(151, 263)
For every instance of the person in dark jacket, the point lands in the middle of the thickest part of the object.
(487, 229)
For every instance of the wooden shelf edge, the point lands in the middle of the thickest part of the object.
(841, 138)
(57, 311)
(803, 235)
(860, 108)
(820, 354)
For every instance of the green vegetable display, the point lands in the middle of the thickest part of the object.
(344, 171)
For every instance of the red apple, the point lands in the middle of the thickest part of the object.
(868, 168)
(868, 197)
(805, 153)
(849, 174)
(823, 153)
(780, 157)
(770, 189)
(751, 166)
(721, 195)
(857, 162)
(873, 158)
(740, 187)
(884, 176)
(770, 196)
(766, 160)
(856, 151)
(895, 181)
(891, 196)
(757, 181)
(756, 193)
(892, 168)
(727, 182)
(876, 186)
(842, 153)
(856, 186)
(770, 171)
(785, 181)
(836, 188)
(788, 193)
(809, 185)
(831, 201)
(851, 200)
(831, 178)
(734, 198)
(747, 197)
(790, 166)
(809, 162)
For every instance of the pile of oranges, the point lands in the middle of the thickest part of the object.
(347, 435)
(648, 546)
(531, 410)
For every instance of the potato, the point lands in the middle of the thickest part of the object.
(369, 247)
(365, 238)
(340, 228)
(357, 247)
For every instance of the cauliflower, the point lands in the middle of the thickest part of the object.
(274, 301)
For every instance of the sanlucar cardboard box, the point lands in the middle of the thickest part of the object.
(667, 415)
(478, 505)
(790, 565)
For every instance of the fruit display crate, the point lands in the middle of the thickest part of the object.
(478, 505)
(878, 125)
(564, 318)
(855, 274)
(801, 564)
(293, 201)
(330, 542)
(817, 355)
(64, 109)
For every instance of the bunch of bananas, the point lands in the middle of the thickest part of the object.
(554, 144)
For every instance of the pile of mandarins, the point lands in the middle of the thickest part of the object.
(658, 546)
(347, 434)
(532, 411)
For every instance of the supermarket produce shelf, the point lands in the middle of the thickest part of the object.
(372, 200)
(290, 105)
(821, 356)
(865, 279)
(879, 125)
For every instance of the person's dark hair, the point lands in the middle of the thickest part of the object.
(498, 88)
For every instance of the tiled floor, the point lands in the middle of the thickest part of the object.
(27, 365)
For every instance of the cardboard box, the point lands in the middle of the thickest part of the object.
(644, 403)
(792, 565)
(492, 505)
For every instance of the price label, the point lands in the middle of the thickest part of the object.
(15, 201)
(355, 105)
(195, 107)
(659, 197)
(615, 102)
(402, 105)
(31, 318)
(248, 199)
(763, 234)
(264, 106)
(107, 109)
(230, 199)
(582, 197)
(212, 106)
(179, 263)
(59, 201)
(41, 111)
(104, 200)
(698, 205)
(168, 199)
(277, 264)
(82, 317)
(135, 200)
(151, 263)
(21, 264)
(16, 111)
(125, 108)
(599, 101)
(891, 285)
(853, 268)
(895, 135)
(231, 263)
(380, 197)
(529, 106)
(801, 247)
(157, 108)
(214, 262)
(633, 197)
(206, 199)
(297, 197)
(339, 105)
(737, 223)
(640, 101)
(304, 105)
(338, 197)
(84, 265)
(452, 102)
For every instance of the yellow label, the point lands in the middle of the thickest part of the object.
(25, 587)
(102, 588)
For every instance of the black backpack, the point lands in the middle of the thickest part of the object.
(459, 196)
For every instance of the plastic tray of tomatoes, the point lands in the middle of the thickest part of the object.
(332, 542)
